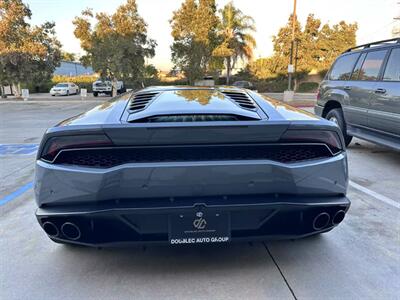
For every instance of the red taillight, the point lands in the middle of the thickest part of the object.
(56, 144)
(318, 94)
(329, 138)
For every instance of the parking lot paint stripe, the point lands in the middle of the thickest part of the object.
(17, 193)
(375, 195)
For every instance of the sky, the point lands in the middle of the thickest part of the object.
(374, 18)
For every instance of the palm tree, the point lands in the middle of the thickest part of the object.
(236, 35)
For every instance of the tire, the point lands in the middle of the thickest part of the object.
(67, 93)
(336, 116)
(95, 94)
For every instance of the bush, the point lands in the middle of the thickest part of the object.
(308, 87)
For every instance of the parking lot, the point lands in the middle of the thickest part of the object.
(360, 259)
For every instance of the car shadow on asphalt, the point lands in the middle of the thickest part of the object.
(158, 259)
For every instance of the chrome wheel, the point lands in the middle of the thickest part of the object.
(334, 120)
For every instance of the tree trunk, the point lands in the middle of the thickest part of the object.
(295, 85)
(2, 91)
(17, 90)
(114, 87)
(228, 70)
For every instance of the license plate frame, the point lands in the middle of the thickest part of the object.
(200, 227)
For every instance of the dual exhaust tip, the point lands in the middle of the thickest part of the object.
(70, 230)
(322, 220)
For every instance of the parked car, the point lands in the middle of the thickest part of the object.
(244, 85)
(361, 93)
(64, 89)
(184, 165)
(105, 87)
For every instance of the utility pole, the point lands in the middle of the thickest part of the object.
(290, 67)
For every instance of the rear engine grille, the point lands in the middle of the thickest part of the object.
(193, 118)
(241, 99)
(140, 101)
(106, 158)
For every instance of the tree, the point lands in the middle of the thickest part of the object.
(116, 45)
(316, 47)
(236, 34)
(68, 56)
(27, 53)
(194, 33)
(332, 41)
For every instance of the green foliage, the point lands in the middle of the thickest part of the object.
(194, 33)
(67, 56)
(308, 87)
(317, 47)
(27, 53)
(272, 86)
(116, 45)
(235, 32)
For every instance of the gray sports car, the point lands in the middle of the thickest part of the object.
(187, 165)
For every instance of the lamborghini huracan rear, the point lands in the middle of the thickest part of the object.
(190, 165)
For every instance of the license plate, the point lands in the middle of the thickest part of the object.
(199, 228)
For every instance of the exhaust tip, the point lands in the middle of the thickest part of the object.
(338, 217)
(50, 228)
(71, 231)
(321, 221)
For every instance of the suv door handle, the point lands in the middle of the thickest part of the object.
(380, 91)
(347, 88)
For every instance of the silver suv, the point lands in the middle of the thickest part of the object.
(361, 93)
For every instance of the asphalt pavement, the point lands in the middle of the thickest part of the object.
(360, 259)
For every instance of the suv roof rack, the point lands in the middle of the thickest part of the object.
(365, 46)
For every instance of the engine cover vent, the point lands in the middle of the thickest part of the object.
(241, 99)
(140, 101)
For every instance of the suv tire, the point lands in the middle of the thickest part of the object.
(95, 94)
(336, 116)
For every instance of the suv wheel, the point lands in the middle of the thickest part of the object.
(336, 116)
(95, 94)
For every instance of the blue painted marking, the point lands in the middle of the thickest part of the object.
(17, 193)
(18, 149)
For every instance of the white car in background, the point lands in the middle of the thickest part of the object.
(64, 89)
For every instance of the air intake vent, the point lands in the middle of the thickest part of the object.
(140, 101)
(193, 118)
(241, 99)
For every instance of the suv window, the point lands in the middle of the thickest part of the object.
(392, 72)
(372, 64)
(343, 66)
(357, 68)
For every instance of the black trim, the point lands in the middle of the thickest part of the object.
(251, 218)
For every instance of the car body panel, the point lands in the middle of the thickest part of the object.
(175, 179)
(371, 108)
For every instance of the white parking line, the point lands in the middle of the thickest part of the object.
(375, 195)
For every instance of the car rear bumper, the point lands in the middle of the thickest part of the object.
(251, 217)
(70, 184)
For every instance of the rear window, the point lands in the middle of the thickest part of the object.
(392, 72)
(343, 67)
(62, 85)
(372, 65)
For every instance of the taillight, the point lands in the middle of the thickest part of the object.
(55, 144)
(329, 138)
(318, 94)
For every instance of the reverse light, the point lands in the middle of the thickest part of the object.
(330, 138)
(55, 144)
